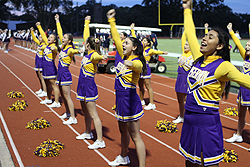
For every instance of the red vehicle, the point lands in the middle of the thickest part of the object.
(155, 63)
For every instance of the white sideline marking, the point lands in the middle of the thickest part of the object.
(100, 154)
(19, 160)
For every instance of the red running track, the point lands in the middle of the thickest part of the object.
(17, 74)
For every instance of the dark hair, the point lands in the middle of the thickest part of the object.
(224, 53)
(139, 52)
(94, 44)
(223, 39)
(57, 45)
(148, 40)
(125, 34)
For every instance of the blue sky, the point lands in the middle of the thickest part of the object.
(239, 6)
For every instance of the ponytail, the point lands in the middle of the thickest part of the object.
(139, 52)
(94, 44)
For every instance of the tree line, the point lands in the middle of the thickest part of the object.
(214, 12)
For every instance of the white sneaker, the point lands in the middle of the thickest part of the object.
(179, 119)
(97, 144)
(150, 107)
(54, 105)
(6, 51)
(119, 160)
(235, 138)
(85, 136)
(142, 102)
(65, 115)
(43, 94)
(39, 91)
(70, 121)
(46, 101)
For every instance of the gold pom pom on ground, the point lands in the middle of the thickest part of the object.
(231, 111)
(229, 156)
(38, 124)
(15, 94)
(49, 148)
(19, 105)
(166, 126)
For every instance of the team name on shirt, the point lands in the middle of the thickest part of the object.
(198, 74)
(246, 64)
(121, 67)
(84, 61)
(185, 61)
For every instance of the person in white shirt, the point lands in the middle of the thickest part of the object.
(237, 34)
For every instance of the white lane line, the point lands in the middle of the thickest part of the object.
(238, 145)
(101, 155)
(19, 160)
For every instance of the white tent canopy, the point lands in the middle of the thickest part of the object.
(123, 28)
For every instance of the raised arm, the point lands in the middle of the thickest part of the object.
(236, 41)
(59, 28)
(183, 40)
(190, 29)
(132, 26)
(45, 39)
(206, 28)
(114, 32)
(86, 33)
(33, 36)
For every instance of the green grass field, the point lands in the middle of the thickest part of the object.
(174, 46)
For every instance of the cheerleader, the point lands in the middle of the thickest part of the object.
(129, 64)
(201, 137)
(185, 62)
(243, 99)
(87, 90)
(6, 39)
(49, 68)
(64, 77)
(146, 79)
(38, 63)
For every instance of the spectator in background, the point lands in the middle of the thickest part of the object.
(237, 34)
(49, 32)
(107, 42)
(154, 39)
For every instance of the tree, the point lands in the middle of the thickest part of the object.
(43, 10)
(4, 10)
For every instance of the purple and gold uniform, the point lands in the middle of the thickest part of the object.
(39, 53)
(49, 56)
(87, 89)
(128, 103)
(244, 94)
(64, 76)
(202, 129)
(148, 52)
(185, 62)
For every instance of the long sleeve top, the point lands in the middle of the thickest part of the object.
(126, 75)
(50, 54)
(185, 61)
(41, 46)
(222, 73)
(90, 61)
(67, 52)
